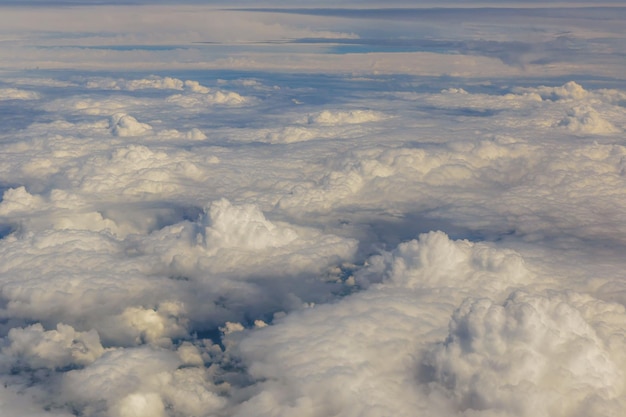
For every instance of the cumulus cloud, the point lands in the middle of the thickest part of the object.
(153, 82)
(202, 98)
(155, 325)
(196, 87)
(125, 380)
(385, 227)
(16, 200)
(322, 125)
(139, 405)
(135, 169)
(378, 351)
(532, 355)
(434, 261)
(126, 125)
(193, 134)
(94, 106)
(292, 134)
(59, 210)
(328, 117)
(17, 94)
(584, 119)
(568, 91)
(33, 347)
(229, 239)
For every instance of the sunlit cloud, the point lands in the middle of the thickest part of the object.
(340, 209)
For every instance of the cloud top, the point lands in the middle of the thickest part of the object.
(124, 125)
(328, 117)
(532, 355)
(17, 94)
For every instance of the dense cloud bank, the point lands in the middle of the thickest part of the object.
(164, 255)
(392, 241)
(451, 38)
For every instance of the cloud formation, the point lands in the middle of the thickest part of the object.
(533, 355)
(382, 351)
(17, 94)
(125, 125)
(363, 230)
(34, 348)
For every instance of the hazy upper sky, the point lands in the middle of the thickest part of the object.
(345, 211)
(423, 41)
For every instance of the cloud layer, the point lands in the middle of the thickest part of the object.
(370, 231)
(158, 260)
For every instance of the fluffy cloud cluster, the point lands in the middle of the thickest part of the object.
(135, 169)
(197, 94)
(141, 382)
(309, 236)
(327, 117)
(128, 359)
(33, 347)
(17, 94)
(568, 91)
(382, 352)
(201, 99)
(587, 120)
(532, 355)
(324, 125)
(228, 239)
(434, 261)
(153, 82)
(126, 125)
(312, 245)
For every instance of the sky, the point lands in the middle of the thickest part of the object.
(303, 209)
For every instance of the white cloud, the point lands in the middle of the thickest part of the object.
(142, 382)
(207, 98)
(93, 106)
(123, 379)
(230, 239)
(196, 87)
(584, 119)
(345, 212)
(155, 326)
(125, 125)
(324, 125)
(13, 402)
(434, 261)
(327, 117)
(382, 351)
(18, 200)
(135, 170)
(568, 91)
(17, 94)
(292, 134)
(193, 134)
(364, 354)
(153, 82)
(139, 405)
(533, 355)
(60, 210)
(33, 347)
